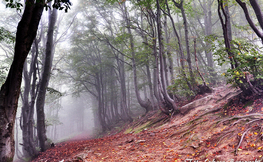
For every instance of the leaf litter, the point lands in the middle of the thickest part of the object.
(230, 128)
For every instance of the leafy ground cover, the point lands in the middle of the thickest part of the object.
(222, 126)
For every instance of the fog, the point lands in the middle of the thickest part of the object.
(76, 117)
(114, 62)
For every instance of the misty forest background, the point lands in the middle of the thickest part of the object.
(105, 63)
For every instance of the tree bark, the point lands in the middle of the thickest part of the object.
(41, 128)
(28, 108)
(145, 104)
(181, 7)
(169, 101)
(224, 22)
(9, 94)
(181, 52)
(226, 26)
(258, 12)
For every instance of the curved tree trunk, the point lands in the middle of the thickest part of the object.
(145, 104)
(9, 94)
(169, 101)
(225, 22)
(258, 13)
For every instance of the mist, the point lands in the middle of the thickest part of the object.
(107, 63)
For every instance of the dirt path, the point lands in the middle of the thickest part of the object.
(203, 130)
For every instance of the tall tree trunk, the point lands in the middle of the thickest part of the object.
(167, 53)
(9, 93)
(30, 78)
(208, 31)
(225, 25)
(169, 101)
(225, 22)
(123, 90)
(181, 52)
(19, 155)
(28, 111)
(41, 129)
(181, 7)
(145, 104)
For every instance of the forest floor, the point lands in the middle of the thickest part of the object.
(220, 126)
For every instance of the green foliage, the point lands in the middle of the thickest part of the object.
(61, 5)
(6, 36)
(9, 159)
(120, 37)
(52, 120)
(14, 4)
(246, 55)
(3, 74)
(58, 4)
(180, 86)
(54, 92)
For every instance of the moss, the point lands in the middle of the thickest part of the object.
(225, 106)
(142, 127)
(248, 103)
(9, 159)
(129, 130)
(28, 159)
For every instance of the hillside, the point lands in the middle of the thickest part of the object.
(220, 126)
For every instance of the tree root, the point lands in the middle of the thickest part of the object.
(243, 135)
(227, 133)
(254, 121)
(229, 94)
(241, 139)
(216, 109)
(187, 129)
(236, 122)
(240, 117)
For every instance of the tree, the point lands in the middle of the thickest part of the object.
(28, 97)
(245, 70)
(144, 103)
(259, 15)
(41, 127)
(10, 90)
(186, 31)
(206, 28)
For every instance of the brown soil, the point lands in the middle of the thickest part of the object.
(206, 129)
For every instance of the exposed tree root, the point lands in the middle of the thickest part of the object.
(227, 133)
(184, 130)
(241, 139)
(240, 117)
(216, 109)
(221, 127)
(235, 93)
(236, 122)
(254, 121)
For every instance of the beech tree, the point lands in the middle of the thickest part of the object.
(45, 76)
(28, 101)
(256, 8)
(244, 57)
(10, 90)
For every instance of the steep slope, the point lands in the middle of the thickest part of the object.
(216, 127)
